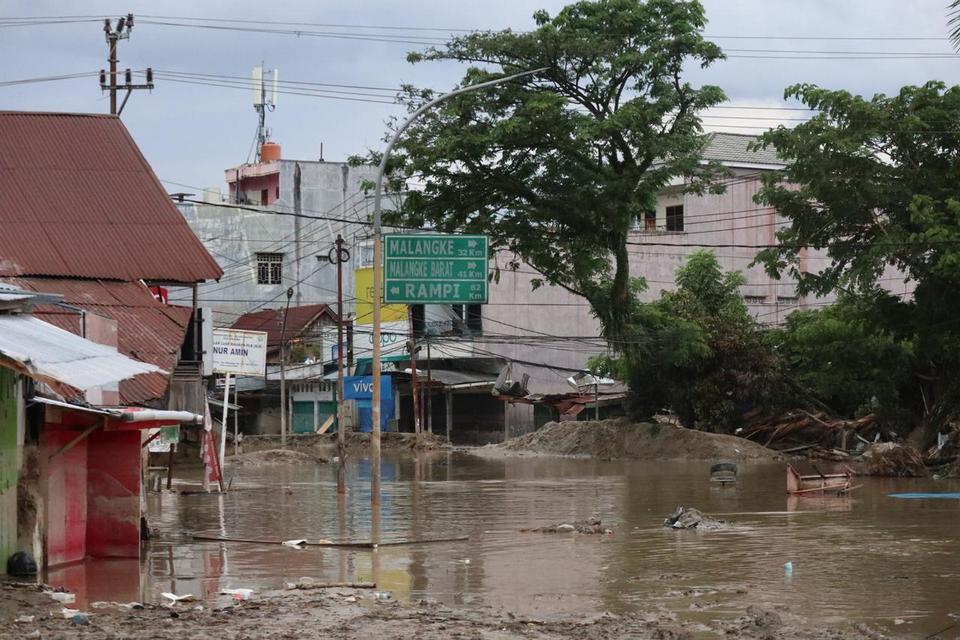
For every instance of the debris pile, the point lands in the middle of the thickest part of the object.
(894, 460)
(821, 434)
(591, 526)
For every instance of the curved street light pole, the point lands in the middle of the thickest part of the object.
(378, 265)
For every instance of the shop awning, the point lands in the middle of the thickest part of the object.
(135, 417)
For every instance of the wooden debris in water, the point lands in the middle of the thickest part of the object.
(894, 460)
(798, 430)
(310, 583)
(329, 543)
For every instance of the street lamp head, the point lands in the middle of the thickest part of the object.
(289, 293)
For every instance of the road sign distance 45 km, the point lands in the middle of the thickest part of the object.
(432, 268)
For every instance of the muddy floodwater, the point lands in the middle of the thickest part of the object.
(889, 562)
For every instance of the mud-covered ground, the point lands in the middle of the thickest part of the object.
(356, 443)
(358, 613)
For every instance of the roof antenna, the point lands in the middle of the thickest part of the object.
(321, 152)
(264, 99)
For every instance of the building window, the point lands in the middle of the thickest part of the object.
(365, 255)
(755, 299)
(473, 317)
(675, 218)
(269, 268)
(649, 220)
(788, 301)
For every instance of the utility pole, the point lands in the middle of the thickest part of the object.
(340, 255)
(108, 80)
(378, 267)
(283, 372)
(412, 346)
(429, 390)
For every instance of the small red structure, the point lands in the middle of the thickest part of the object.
(92, 478)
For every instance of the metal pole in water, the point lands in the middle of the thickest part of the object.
(378, 265)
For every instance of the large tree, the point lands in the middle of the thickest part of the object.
(876, 182)
(558, 167)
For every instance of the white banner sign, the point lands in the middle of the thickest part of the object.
(239, 352)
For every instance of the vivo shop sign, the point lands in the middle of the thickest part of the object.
(242, 353)
(361, 387)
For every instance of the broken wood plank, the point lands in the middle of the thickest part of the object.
(326, 424)
(303, 585)
(345, 545)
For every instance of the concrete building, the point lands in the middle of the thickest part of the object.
(264, 248)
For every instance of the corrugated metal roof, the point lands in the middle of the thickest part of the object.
(146, 329)
(271, 321)
(731, 148)
(80, 200)
(49, 353)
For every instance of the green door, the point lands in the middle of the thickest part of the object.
(303, 417)
(327, 409)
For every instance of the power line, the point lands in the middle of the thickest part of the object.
(70, 76)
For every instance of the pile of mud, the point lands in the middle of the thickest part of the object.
(270, 457)
(388, 440)
(616, 439)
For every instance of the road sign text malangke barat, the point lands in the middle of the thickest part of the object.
(435, 269)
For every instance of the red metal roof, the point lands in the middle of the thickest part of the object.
(80, 200)
(146, 329)
(271, 320)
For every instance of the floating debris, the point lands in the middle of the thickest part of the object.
(690, 518)
(591, 526)
(174, 598)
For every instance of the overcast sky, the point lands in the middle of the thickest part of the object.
(191, 133)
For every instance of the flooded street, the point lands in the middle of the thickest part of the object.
(891, 563)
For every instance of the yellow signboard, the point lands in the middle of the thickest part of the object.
(363, 279)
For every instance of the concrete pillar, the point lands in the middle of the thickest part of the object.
(396, 408)
(448, 401)
(506, 422)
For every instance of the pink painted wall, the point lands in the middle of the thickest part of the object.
(92, 495)
(113, 494)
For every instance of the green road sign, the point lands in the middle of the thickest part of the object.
(431, 268)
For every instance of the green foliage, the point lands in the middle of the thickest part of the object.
(558, 167)
(876, 182)
(705, 358)
(842, 359)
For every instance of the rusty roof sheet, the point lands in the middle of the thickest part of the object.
(147, 330)
(299, 319)
(80, 200)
